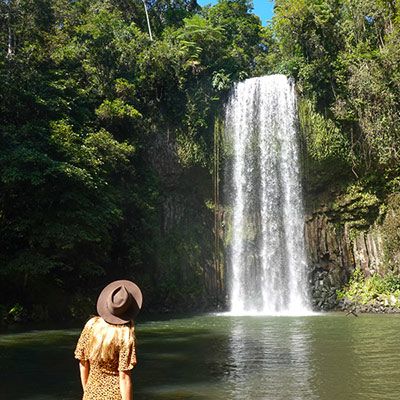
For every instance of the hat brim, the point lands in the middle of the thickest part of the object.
(132, 311)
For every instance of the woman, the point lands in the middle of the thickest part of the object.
(106, 347)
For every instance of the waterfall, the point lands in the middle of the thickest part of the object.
(266, 250)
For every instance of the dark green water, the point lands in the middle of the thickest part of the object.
(329, 357)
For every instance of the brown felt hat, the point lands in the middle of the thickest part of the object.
(119, 302)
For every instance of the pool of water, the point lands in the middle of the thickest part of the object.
(324, 357)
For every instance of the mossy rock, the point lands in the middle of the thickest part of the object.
(391, 234)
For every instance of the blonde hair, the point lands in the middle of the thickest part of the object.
(107, 339)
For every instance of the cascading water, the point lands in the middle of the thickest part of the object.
(266, 255)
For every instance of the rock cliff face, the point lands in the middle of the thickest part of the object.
(340, 238)
(344, 230)
(334, 254)
(183, 273)
(330, 258)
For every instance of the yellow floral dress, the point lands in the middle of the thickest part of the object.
(103, 381)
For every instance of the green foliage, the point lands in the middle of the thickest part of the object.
(221, 81)
(16, 312)
(391, 234)
(324, 140)
(344, 56)
(85, 98)
(327, 150)
(364, 290)
(358, 206)
(116, 109)
(100, 126)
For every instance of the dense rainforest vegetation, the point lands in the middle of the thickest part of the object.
(107, 136)
(106, 146)
(345, 57)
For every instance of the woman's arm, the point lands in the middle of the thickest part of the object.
(84, 368)
(125, 385)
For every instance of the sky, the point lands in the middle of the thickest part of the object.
(262, 8)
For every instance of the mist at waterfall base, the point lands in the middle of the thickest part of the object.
(266, 251)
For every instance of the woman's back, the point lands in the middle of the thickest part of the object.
(106, 351)
(109, 348)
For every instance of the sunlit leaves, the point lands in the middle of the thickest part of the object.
(116, 109)
(86, 99)
(343, 55)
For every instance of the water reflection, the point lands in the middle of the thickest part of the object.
(300, 342)
(356, 358)
(377, 364)
(329, 357)
(270, 359)
(335, 368)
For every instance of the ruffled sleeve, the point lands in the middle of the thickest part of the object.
(127, 357)
(81, 350)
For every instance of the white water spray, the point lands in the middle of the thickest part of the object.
(266, 260)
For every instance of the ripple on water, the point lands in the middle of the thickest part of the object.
(325, 357)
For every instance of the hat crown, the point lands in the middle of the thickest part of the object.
(119, 301)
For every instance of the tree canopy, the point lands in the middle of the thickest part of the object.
(89, 108)
(106, 136)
